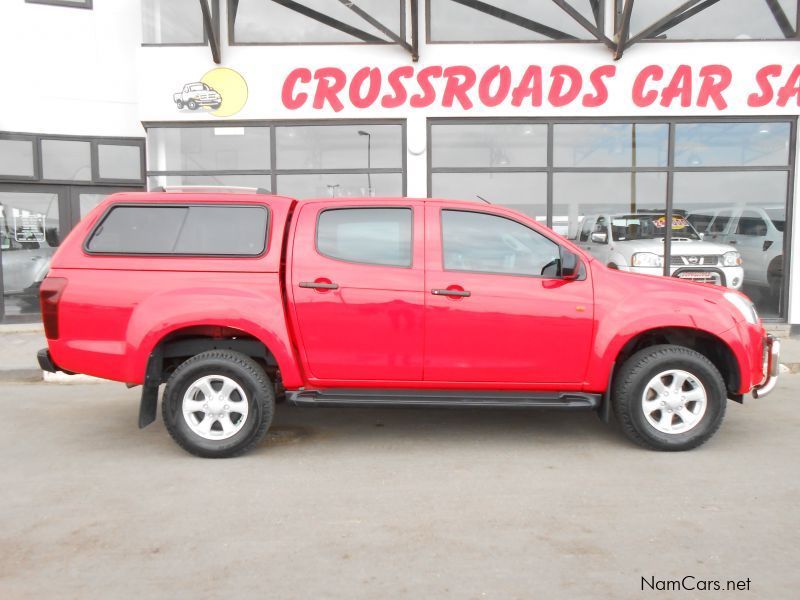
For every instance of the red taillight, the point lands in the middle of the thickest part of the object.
(49, 295)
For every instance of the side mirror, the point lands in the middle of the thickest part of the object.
(570, 265)
(600, 237)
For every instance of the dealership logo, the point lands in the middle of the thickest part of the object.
(221, 91)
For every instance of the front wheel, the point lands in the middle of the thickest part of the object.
(669, 397)
(192, 104)
(218, 404)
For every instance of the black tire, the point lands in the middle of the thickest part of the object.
(192, 104)
(179, 103)
(254, 382)
(633, 378)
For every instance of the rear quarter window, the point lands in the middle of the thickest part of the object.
(196, 230)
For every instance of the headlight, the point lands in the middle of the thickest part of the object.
(647, 259)
(731, 259)
(744, 306)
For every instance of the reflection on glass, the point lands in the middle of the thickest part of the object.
(725, 19)
(524, 192)
(745, 211)
(453, 22)
(339, 147)
(207, 148)
(29, 235)
(16, 158)
(731, 144)
(339, 185)
(491, 145)
(262, 21)
(171, 22)
(66, 160)
(610, 145)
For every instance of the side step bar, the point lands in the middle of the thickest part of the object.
(443, 399)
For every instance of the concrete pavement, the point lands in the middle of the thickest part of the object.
(345, 503)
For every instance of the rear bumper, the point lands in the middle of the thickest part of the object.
(772, 352)
(47, 364)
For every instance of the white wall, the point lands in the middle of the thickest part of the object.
(68, 70)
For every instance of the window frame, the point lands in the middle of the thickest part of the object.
(213, 4)
(507, 218)
(111, 207)
(232, 37)
(86, 4)
(273, 172)
(619, 4)
(408, 207)
(94, 141)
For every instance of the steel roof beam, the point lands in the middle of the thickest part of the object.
(624, 30)
(516, 19)
(672, 19)
(585, 23)
(378, 25)
(329, 21)
(781, 19)
(211, 31)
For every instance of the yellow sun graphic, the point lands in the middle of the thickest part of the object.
(231, 86)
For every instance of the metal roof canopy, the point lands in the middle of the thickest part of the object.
(622, 38)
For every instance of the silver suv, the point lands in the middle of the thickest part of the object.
(635, 242)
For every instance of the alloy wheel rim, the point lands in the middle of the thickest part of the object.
(674, 401)
(215, 407)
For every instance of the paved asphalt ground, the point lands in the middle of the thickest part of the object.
(344, 503)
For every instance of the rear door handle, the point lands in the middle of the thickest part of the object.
(319, 286)
(458, 293)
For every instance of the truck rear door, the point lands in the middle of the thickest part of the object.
(357, 284)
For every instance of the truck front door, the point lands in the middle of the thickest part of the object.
(357, 284)
(496, 310)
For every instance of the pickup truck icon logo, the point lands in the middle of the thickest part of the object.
(197, 94)
(221, 91)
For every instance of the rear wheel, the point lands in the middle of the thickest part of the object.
(218, 404)
(179, 103)
(669, 398)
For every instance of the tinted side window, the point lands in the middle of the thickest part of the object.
(720, 224)
(378, 236)
(193, 230)
(750, 223)
(480, 242)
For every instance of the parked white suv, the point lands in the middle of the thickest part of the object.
(635, 242)
(756, 232)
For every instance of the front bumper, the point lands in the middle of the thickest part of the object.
(729, 277)
(772, 352)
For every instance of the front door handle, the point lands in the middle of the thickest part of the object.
(318, 285)
(457, 293)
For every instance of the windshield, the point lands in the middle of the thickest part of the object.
(649, 227)
(777, 216)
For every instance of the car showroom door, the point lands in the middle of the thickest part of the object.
(496, 312)
(32, 221)
(357, 287)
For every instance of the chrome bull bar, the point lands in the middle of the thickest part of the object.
(772, 351)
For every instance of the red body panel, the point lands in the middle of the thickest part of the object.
(382, 327)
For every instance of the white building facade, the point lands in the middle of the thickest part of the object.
(605, 119)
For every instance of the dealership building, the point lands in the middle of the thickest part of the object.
(654, 133)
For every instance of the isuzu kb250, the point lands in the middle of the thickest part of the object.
(234, 300)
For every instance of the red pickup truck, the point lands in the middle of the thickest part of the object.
(234, 300)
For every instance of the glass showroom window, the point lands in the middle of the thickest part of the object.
(231, 156)
(365, 159)
(731, 181)
(311, 21)
(723, 20)
(606, 187)
(309, 161)
(173, 22)
(500, 163)
(510, 21)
